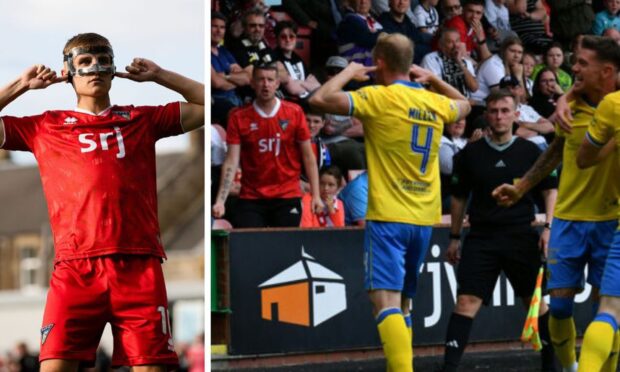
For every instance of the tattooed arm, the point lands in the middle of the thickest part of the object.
(229, 168)
(507, 195)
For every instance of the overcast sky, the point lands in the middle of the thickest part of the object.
(169, 32)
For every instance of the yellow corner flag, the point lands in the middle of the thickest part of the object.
(530, 328)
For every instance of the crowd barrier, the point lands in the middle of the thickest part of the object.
(294, 290)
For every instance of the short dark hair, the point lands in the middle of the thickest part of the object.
(219, 15)
(265, 66)
(554, 44)
(255, 11)
(499, 94)
(283, 25)
(333, 171)
(314, 112)
(474, 2)
(89, 39)
(606, 49)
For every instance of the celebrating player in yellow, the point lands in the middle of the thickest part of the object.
(601, 340)
(403, 124)
(586, 209)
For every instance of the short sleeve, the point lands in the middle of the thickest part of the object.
(460, 182)
(167, 120)
(303, 131)
(362, 102)
(446, 108)
(494, 75)
(601, 127)
(233, 136)
(19, 133)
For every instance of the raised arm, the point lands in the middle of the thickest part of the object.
(427, 77)
(330, 98)
(34, 77)
(192, 112)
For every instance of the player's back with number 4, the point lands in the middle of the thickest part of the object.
(403, 124)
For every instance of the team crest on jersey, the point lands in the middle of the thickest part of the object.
(123, 114)
(70, 120)
(253, 126)
(45, 331)
(283, 124)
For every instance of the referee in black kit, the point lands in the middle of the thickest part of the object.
(500, 239)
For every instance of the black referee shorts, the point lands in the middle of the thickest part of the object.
(485, 255)
(268, 213)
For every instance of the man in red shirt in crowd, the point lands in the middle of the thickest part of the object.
(97, 166)
(271, 140)
(469, 25)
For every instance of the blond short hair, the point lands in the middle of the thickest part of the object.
(396, 50)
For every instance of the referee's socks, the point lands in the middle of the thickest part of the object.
(457, 337)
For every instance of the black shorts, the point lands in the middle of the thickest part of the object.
(268, 213)
(485, 255)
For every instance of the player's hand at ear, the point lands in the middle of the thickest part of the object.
(420, 75)
(360, 72)
(140, 69)
(39, 77)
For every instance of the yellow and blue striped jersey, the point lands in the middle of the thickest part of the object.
(403, 125)
(585, 194)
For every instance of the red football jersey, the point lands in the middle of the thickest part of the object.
(467, 33)
(98, 175)
(270, 150)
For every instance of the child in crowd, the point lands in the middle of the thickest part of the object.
(554, 59)
(607, 18)
(330, 181)
(529, 61)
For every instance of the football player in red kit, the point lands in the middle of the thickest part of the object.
(97, 165)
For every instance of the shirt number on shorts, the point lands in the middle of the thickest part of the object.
(424, 149)
(165, 319)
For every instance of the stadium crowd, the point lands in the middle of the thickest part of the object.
(477, 46)
(510, 79)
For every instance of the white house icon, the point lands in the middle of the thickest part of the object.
(305, 293)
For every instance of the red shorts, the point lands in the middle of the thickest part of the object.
(124, 290)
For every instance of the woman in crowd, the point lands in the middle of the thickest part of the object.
(554, 59)
(546, 92)
(300, 83)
